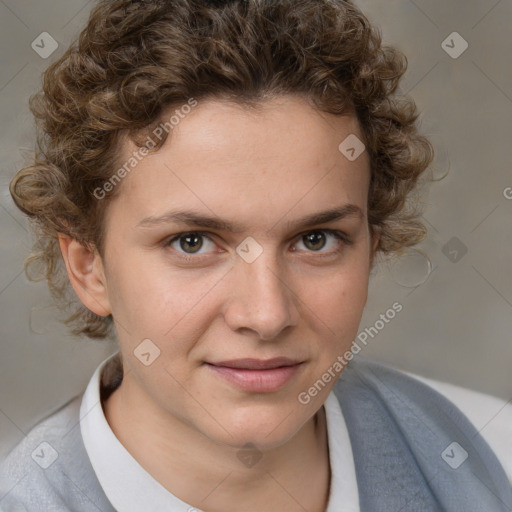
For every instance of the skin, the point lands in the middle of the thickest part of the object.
(265, 170)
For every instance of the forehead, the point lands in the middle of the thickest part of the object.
(226, 158)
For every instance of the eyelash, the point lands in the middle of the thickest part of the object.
(339, 235)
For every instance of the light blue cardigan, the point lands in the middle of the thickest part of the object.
(401, 431)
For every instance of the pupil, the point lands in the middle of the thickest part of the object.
(193, 242)
(315, 240)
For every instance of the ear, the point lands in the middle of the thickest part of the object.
(86, 274)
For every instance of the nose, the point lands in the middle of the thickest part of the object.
(261, 298)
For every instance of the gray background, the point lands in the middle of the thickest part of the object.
(456, 319)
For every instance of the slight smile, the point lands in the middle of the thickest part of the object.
(257, 375)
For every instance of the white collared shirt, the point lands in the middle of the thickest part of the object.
(130, 488)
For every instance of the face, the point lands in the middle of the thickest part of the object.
(242, 240)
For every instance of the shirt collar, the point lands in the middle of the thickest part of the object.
(129, 487)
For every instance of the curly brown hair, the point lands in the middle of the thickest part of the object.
(136, 59)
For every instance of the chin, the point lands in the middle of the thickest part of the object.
(264, 429)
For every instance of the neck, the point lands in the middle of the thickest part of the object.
(292, 476)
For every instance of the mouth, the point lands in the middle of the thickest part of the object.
(257, 375)
(257, 364)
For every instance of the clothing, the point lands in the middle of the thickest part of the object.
(99, 440)
(413, 449)
(491, 416)
(398, 429)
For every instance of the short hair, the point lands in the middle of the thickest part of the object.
(136, 59)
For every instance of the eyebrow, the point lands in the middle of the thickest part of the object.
(193, 218)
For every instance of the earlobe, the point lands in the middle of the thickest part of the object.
(86, 274)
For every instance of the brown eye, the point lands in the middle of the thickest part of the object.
(191, 243)
(315, 240)
(323, 241)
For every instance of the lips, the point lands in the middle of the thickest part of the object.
(256, 375)
(257, 364)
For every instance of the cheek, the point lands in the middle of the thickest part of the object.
(340, 304)
(336, 303)
(344, 284)
(155, 301)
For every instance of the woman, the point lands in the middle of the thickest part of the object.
(215, 180)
